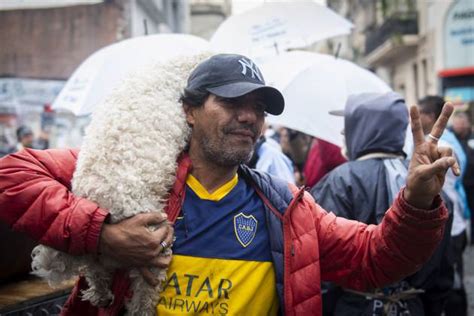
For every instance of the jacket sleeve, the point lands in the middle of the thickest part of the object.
(360, 256)
(35, 198)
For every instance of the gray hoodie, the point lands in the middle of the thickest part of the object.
(375, 123)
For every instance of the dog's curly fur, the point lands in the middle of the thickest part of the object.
(127, 165)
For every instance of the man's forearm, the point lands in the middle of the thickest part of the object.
(35, 199)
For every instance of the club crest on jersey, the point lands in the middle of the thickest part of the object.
(245, 228)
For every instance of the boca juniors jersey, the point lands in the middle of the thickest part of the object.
(221, 257)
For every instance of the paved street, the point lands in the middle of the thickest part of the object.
(469, 277)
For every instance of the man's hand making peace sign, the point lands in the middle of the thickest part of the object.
(430, 162)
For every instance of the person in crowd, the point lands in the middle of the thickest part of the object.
(8, 117)
(322, 158)
(26, 139)
(375, 127)
(430, 110)
(462, 128)
(268, 157)
(262, 246)
(296, 146)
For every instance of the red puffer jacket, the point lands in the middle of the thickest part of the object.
(308, 244)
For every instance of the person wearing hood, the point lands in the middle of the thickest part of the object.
(361, 189)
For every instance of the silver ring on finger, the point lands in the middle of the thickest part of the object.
(436, 139)
(164, 244)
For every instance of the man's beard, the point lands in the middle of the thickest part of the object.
(224, 154)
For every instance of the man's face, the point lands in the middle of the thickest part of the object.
(224, 131)
(27, 140)
(427, 120)
(461, 126)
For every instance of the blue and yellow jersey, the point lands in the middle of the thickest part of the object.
(221, 257)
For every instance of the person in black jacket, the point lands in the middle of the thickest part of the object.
(361, 189)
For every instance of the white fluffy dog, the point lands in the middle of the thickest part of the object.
(127, 165)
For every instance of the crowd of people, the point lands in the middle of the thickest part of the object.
(361, 180)
(385, 236)
(15, 136)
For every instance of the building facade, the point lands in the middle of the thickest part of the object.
(207, 15)
(42, 45)
(418, 47)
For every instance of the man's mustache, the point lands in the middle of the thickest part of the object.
(242, 127)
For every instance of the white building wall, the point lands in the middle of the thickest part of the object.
(435, 25)
(162, 16)
(207, 15)
(138, 14)
(403, 78)
(432, 50)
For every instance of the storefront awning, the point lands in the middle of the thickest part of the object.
(456, 72)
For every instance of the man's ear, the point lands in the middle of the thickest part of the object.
(189, 112)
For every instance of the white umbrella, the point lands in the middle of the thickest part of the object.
(101, 71)
(314, 84)
(276, 26)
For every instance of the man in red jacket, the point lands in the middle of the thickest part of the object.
(247, 243)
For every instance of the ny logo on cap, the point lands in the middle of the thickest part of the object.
(248, 64)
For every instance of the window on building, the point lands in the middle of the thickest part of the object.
(425, 77)
(401, 89)
(415, 78)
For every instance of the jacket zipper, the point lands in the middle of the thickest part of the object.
(288, 248)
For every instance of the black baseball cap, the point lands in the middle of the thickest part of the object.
(232, 76)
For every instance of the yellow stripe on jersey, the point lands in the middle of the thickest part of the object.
(217, 195)
(210, 286)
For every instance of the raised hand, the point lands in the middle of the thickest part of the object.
(430, 162)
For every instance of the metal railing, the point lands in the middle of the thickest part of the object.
(400, 23)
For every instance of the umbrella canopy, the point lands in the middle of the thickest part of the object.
(314, 84)
(276, 26)
(93, 80)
